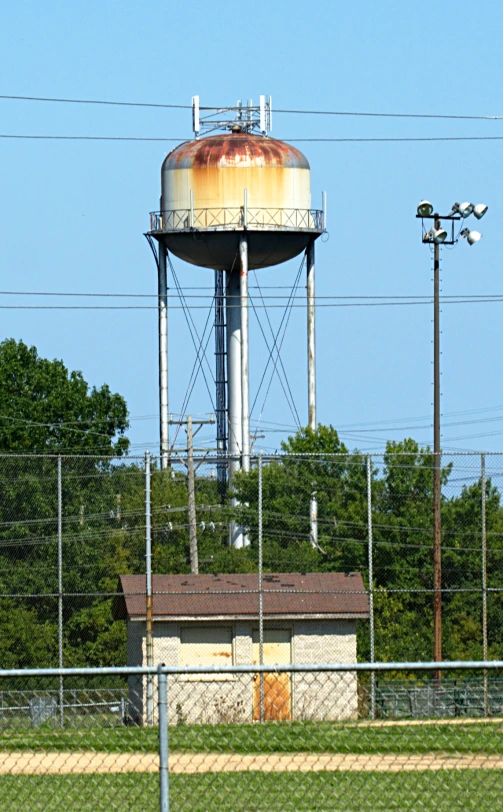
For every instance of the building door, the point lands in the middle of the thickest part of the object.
(273, 689)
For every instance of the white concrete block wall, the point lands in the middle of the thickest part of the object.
(243, 647)
(230, 699)
(329, 696)
(201, 701)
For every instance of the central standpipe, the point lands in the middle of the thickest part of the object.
(235, 408)
(311, 379)
(163, 357)
(236, 303)
(235, 400)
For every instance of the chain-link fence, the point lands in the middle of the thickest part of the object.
(211, 742)
(70, 526)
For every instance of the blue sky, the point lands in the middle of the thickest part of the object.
(73, 213)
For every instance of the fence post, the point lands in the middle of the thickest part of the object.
(162, 690)
(260, 589)
(484, 579)
(60, 592)
(148, 608)
(371, 585)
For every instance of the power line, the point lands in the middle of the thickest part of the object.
(297, 140)
(263, 306)
(342, 113)
(88, 138)
(97, 101)
(175, 293)
(389, 115)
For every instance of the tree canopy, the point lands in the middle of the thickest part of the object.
(44, 408)
(104, 536)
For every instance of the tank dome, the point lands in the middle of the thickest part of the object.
(236, 149)
(218, 185)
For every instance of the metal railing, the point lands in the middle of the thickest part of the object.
(237, 217)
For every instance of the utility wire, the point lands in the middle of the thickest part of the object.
(290, 139)
(426, 298)
(97, 101)
(188, 307)
(283, 111)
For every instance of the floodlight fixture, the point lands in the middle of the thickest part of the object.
(464, 209)
(479, 210)
(425, 209)
(438, 235)
(471, 236)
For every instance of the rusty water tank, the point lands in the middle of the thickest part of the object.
(215, 187)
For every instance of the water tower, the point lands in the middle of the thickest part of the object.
(233, 202)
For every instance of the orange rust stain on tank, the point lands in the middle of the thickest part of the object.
(235, 149)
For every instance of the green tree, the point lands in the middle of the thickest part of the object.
(314, 463)
(44, 408)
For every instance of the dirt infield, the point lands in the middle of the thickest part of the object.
(26, 763)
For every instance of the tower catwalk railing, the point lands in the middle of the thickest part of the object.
(236, 217)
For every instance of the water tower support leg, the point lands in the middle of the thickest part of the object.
(311, 338)
(245, 385)
(311, 376)
(234, 398)
(163, 357)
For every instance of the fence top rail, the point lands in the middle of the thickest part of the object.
(449, 665)
(214, 456)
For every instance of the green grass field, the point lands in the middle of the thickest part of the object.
(283, 737)
(427, 790)
(256, 792)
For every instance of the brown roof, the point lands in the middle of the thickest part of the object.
(285, 594)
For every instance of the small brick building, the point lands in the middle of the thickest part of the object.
(213, 619)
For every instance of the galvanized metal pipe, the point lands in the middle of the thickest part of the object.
(371, 584)
(245, 383)
(149, 614)
(162, 694)
(234, 396)
(60, 591)
(294, 668)
(313, 520)
(163, 357)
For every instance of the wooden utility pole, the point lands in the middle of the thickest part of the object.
(188, 422)
(194, 562)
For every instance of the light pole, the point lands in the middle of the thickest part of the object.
(437, 236)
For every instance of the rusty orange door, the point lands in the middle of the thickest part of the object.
(274, 689)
